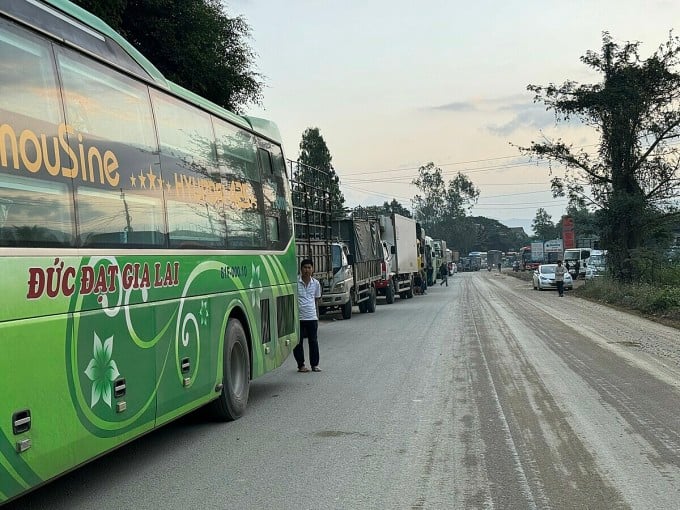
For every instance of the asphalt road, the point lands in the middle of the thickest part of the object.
(483, 394)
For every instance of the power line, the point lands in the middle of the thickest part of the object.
(437, 165)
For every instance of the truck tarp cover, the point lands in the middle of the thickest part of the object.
(362, 237)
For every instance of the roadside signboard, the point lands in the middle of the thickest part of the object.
(554, 246)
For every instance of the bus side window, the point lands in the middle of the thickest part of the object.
(109, 115)
(265, 161)
(242, 186)
(36, 206)
(191, 178)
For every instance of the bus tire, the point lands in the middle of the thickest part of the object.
(347, 310)
(232, 402)
(389, 293)
(371, 303)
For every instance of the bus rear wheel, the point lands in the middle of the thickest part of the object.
(233, 399)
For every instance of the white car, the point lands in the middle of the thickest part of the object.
(544, 278)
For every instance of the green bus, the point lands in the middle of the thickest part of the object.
(146, 246)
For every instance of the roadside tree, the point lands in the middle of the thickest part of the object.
(194, 43)
(542, 225)
(441, 207)
(388, 208)
(314, 153)
(634, 176)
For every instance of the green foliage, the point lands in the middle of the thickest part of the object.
(111, 11)
(192, 42)
(543, 227)
(314, 153)
(439, 202)
(585, 221)
(388, 208)
(656, 300)
(634, 177)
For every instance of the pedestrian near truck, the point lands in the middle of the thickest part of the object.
(309, 294)
(444, 274)
(559, 278)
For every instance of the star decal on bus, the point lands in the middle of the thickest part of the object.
(152, 178)
(204, 314)
(142, 180)
(102, 371)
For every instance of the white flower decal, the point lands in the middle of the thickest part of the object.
(204, 314)
(255, 285)
(102, 371)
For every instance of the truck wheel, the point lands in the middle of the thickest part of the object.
(370, 304)
(232, 402)
(347, 310)
(389, 293)
(363, 307)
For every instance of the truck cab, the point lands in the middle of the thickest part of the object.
(576, 260)
(337, 292)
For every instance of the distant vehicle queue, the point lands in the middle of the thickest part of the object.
(360, 257)
(581, 263)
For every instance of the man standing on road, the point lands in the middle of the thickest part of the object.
(444, 274)
(309, 293)
(559, 278)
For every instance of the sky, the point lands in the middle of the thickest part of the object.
(395, 84)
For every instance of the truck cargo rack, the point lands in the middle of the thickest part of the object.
(311, 196)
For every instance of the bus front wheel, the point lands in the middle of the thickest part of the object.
(233, 399)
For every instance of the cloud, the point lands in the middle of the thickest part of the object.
(461, 106)
(533, 116)
(525, 113)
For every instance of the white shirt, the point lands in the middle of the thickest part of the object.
(559, 273)
(307, 296)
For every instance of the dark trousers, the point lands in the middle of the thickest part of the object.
(560, 287)
(308, 329)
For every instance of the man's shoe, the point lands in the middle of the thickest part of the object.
(303, 369)
(316, 369)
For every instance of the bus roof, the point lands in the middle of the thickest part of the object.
(262, 126)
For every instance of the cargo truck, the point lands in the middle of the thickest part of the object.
(357, 254)
(401, 260)
(493, 259)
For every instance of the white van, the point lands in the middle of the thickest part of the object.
(577, 258)
(597, 264)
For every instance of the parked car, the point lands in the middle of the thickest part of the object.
(544, 278)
